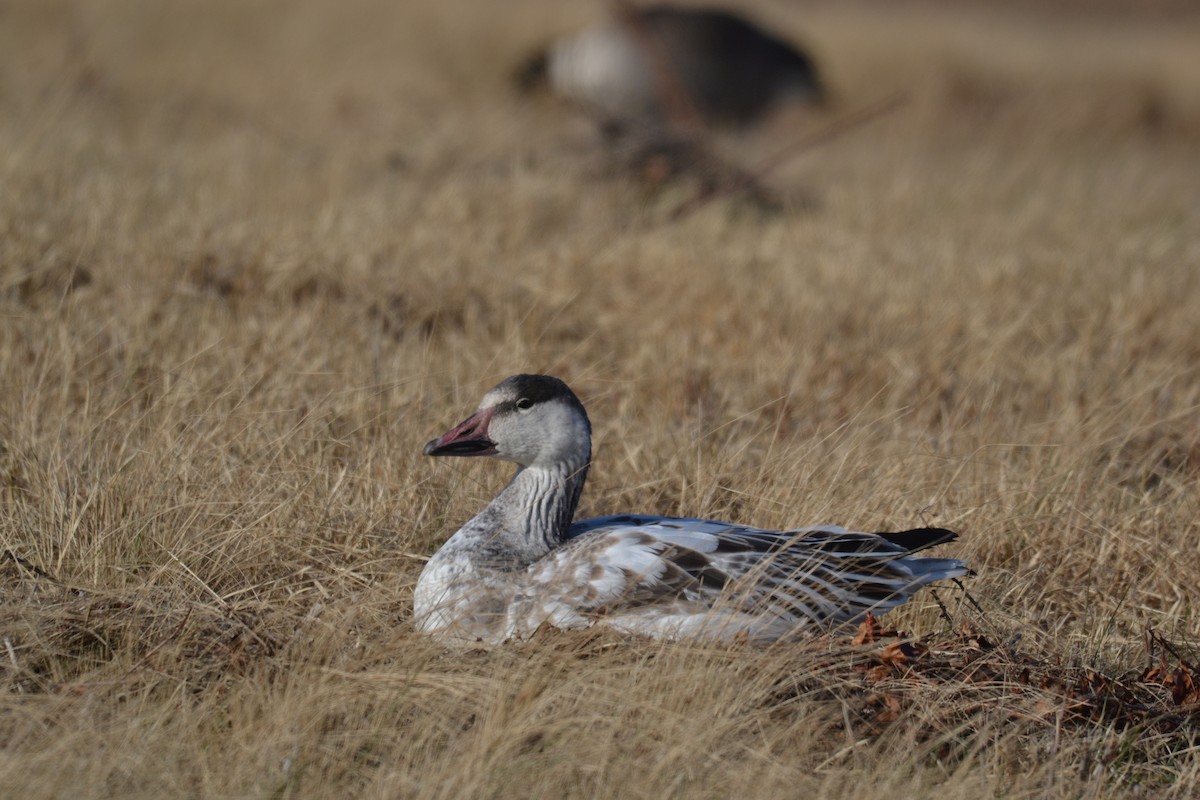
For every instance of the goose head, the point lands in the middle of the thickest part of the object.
(531, 420)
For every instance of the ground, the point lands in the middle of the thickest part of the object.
(254, 255)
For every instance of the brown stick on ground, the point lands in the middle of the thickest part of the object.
(747, 179)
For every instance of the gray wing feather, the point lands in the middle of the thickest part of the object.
(825, 575)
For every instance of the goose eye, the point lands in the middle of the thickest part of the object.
(524, 404)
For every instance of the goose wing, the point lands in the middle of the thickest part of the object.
(681, 568)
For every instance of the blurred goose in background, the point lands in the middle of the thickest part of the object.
(521, 563)
(630, 70)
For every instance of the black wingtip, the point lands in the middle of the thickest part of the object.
(919, 538)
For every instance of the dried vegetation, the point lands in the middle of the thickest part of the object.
(253, 255)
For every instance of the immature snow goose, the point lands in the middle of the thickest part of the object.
(521, 563)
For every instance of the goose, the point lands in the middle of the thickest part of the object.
(730, 69)
(522, 563)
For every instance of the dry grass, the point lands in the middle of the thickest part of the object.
(253, 255)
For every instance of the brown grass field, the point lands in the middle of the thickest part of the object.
(254, 255)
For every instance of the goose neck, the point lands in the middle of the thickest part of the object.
(530, 517)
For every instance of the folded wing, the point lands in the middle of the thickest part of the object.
(642, 573)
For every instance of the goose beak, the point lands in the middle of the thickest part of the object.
(468, 438)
